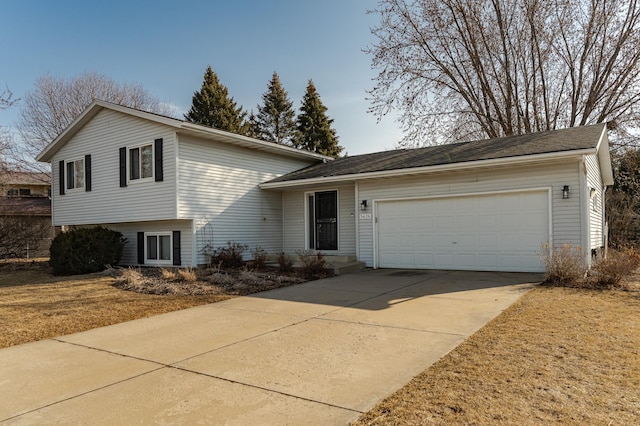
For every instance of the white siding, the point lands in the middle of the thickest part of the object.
(130, 232)
(218, 188)
(107, 202)
(565, 219)
(596, 207)
(295, 223)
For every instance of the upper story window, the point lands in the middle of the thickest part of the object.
(141, 162)
(74, 174)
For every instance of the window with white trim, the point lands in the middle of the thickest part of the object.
(141, 162)
(158, 248)
(74, 174)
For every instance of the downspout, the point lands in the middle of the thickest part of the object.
(605, 225)
(585, 228)
(357, 219)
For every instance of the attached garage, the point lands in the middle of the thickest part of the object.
(488, 232)
(486, 205)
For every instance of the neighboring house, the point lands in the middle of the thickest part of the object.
(175, 188)
(24, 184)
(24, 201)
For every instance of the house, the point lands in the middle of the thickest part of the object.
(25, 202)
(15, 183)
(175, 188)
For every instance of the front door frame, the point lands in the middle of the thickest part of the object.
(310, 224)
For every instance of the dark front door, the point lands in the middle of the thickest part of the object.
(326, 220)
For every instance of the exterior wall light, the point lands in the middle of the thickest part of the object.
(363, 205)
(565, 192)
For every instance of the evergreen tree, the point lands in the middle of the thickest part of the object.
(213, 107)
(252, 126)
(314, 127)
(276, 116)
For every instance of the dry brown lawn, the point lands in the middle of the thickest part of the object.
(559, 355)
(36, 305)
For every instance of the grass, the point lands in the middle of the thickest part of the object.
(36, 305)
(558, 355)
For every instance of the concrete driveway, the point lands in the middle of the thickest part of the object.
(318, 353)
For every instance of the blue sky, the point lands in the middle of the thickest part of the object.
(166, 46)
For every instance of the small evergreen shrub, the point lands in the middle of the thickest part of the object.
(85, 250)
(564, 265)
(313, 264)
(230, 256)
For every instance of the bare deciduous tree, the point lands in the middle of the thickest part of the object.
(19, 234)
(462, 69)
(55, 102)
(6, 99)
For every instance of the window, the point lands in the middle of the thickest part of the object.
(24, 192)
(141, 162)
(74, 174)
(158, 248)
(13, 193)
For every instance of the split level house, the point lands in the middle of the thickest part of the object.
(177, 189)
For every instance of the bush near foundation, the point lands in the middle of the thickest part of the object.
(564, 265)
(229, 256)
(609, 272)
(313, 264)
(86, 250)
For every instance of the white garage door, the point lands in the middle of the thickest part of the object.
(497, 232)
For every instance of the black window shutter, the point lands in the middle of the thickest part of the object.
(177, 261)
(157, 148)
(141, 248)
(87, 173)
(123, 167)
(61, 174)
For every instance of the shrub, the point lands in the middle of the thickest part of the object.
(168, 274)
(131, 279)
(189, 275)
(313, 264)
(230, 256)
(259, 258)
(286, 265)
(86, 250)
(608, 272)
(564, 265)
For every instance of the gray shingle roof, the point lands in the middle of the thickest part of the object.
(575, 138)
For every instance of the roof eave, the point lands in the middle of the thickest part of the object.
(604, 158)
(430, 169)
(96, 106)
(248, 142)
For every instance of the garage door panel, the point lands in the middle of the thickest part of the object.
(488, 232)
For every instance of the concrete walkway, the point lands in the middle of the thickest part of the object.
(317, 353)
